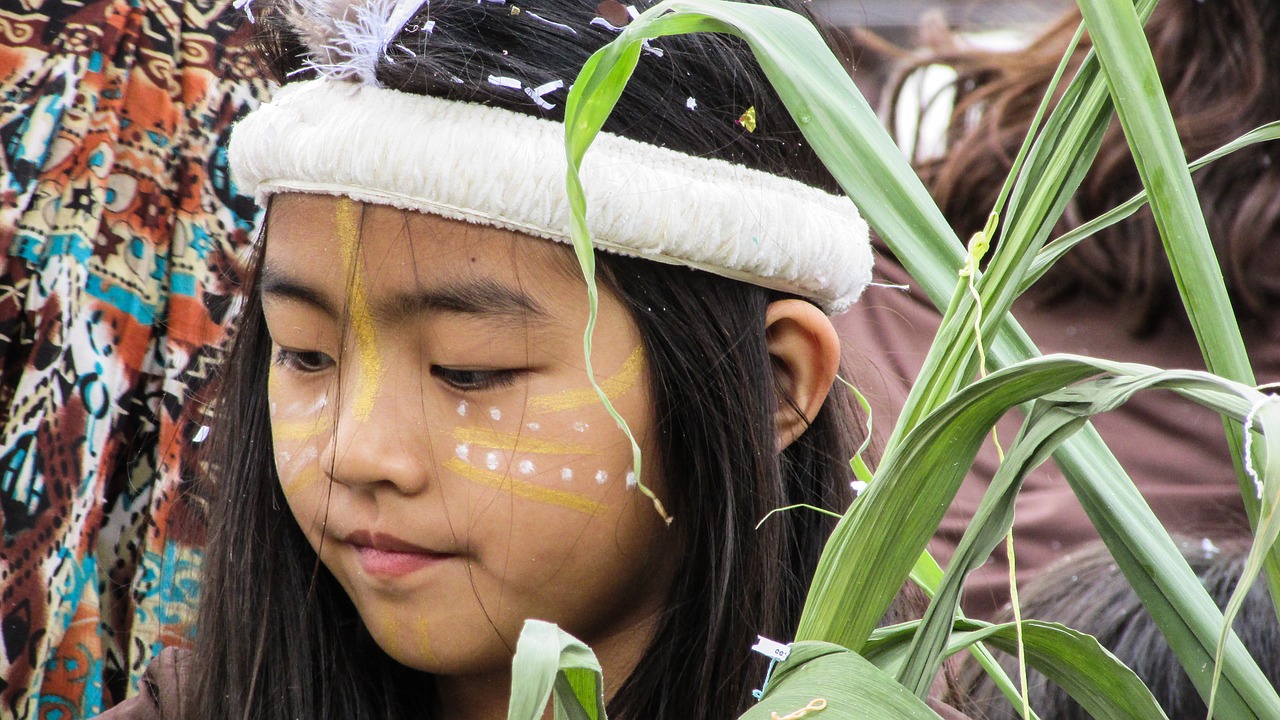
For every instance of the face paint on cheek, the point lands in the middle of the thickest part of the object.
(617, 385)
(512, 442)
(371, 371)
(522, 488)
(401, 638)
(296, 430)
(297, 479)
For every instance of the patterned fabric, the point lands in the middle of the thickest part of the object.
(120, 245)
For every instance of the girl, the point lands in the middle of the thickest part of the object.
(411, 460)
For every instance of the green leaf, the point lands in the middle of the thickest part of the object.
(549, 660)
(1148, 125)
(847, 686)
(1076, 662)
(1055, 250)
(1052, 420)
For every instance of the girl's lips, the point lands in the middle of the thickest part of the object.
(390, 556)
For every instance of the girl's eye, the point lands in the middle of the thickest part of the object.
(462, 379)
(303, 361)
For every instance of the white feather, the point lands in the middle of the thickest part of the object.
(360, 35)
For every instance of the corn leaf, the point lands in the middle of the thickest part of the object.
(1148, 125)
(1055, 250)
(550, 661)
(1076, 662)
(838, 684)
(878, 542)
(1052, 420)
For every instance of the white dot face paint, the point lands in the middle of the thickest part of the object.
(463, 451)
(631, 479)
(526, 467)
(495, 413)
(534, 426)
(566, 474)
(491, 461)
(462, 409)
(602, 477)
(580, 426)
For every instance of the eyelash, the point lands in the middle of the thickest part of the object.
(472, 380)
(308, 362)
(303, 361)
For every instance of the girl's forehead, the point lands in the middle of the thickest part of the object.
(322, 236)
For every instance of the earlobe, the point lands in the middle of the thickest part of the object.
(805, 351)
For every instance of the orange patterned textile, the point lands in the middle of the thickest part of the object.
(121, 240)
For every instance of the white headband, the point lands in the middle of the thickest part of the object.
(504, 169)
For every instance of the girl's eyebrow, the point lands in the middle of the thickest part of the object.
(483, 297)
(274, 282)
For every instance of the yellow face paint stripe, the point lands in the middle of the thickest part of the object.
(303, 477)
(615, 386)
(369, 381)
(300, 429)
(518, 443)
(522, 489)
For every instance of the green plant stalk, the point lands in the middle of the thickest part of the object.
(848, 598)
(1056, 249)
(1148, 125)
(1056, 161)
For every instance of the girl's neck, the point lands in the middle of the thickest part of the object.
(485, 697)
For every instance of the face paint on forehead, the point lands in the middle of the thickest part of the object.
(371, 370)
(622, 381)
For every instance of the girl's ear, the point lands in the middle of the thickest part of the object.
(805, 351)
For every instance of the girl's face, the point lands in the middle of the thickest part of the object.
(439, 444)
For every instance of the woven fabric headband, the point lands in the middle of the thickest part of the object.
(503, 169)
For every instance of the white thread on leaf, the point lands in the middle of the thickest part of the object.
(1248, 445)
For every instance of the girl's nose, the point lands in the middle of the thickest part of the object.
(380, 438)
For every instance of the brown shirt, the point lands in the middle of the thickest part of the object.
(1174, 450)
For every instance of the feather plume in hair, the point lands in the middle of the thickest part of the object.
(346, 39)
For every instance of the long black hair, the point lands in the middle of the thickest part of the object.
(278, 638)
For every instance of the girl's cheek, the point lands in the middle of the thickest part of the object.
(520, 463)
(560, 449)
(300, 423)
